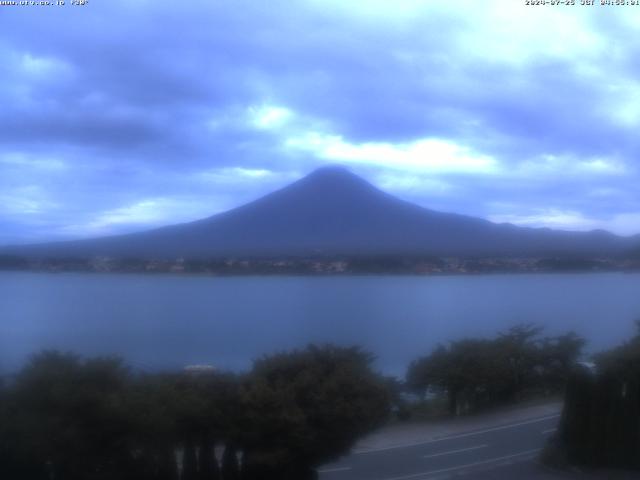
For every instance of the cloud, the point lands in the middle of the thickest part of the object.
(22, 161)
(622, 224)
(461, 107)
(572, 165)
(420, 184)
(241, 177)
(147, 213)
(555, 218)
(43, 68)
(269, 117)
(426, 155)
(25, 200)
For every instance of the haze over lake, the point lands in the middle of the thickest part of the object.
(170, 321)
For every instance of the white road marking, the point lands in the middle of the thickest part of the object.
(462, 435)
(494, 429)
(451, 452)
(336, 469)
(551, 430)
(467, 465)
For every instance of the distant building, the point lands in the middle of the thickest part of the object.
(199, 369)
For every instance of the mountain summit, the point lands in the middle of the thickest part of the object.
(333, 211)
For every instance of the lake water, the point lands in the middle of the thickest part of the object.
(171, 321)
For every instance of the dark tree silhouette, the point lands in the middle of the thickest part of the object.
(557, 357)
(69, 417)
(189, 462)
(230, 468)
(600, 425)
(480, 373)
(208, 468)
(307, 407)
(65, 418)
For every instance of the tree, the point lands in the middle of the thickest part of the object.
(189, 412)
(558, 356)
(230, 468)
(152, 405)
(306, 408)
(520, 351)
(472, 373)
(69, 417)
(600, 424)
(208, 468)
(16, 459)
(65, 418)
(480, 373)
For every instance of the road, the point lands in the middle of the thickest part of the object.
(498, 450)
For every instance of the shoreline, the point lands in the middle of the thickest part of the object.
(322, 274)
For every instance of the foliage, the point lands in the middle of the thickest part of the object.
(480, 373)
(600, 425)
(66, 418)
(308, 407)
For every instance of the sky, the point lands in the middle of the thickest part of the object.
(119, 116)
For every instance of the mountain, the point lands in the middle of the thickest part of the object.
(332, 211)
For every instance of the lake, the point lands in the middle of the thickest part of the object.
(158, 322)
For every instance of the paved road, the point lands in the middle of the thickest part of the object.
(497, 451)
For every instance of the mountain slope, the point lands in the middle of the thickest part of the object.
(332, 211)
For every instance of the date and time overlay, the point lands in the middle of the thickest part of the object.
(584, 3)
(45, 3)
(568, 3)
